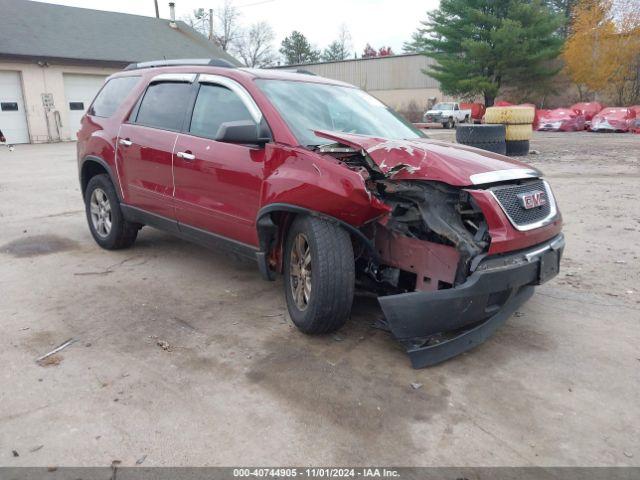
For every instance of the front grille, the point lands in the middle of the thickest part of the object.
(508, 198)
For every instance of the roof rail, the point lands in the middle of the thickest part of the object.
(211, 62)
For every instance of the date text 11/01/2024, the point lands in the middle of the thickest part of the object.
(316, 472)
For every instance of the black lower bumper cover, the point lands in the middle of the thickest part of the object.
(436, 326)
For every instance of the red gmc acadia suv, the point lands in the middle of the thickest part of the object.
(319, 181)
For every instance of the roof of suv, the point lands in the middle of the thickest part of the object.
(199, 66)
(291, 75)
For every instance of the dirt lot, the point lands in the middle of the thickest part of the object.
(187, 357)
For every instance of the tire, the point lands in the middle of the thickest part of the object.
(510, 115)
(495, 147)
(517, 148)
(449, 124)
(467, 134)
(518, 132)
(121, 234)
(327, 306)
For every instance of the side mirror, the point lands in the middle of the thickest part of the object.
(243, 132)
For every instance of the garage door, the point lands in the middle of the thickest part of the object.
(13, 120)
(79, 91)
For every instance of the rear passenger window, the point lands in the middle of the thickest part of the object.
(214, 106)
(164, 105)
(112, 95)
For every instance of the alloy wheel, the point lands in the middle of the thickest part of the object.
(100, 209)
(300, 271)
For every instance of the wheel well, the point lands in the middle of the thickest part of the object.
(90, 168)
(273, 226)
(272, 232)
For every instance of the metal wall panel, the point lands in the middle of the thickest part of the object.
(399, 72)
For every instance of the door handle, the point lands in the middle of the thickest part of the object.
(125, 142)
(186, 155)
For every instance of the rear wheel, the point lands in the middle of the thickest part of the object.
(319, 273)
(107, 224)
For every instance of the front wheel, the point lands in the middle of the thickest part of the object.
(319, 273)
(107, 224)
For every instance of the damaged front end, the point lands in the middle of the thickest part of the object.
(440, 289)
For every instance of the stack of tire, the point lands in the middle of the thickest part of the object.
(518, 122)
(486, 137)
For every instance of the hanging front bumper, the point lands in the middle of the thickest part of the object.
(436, 326)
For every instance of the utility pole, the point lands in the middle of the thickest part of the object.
(211, 24)
(157, 11)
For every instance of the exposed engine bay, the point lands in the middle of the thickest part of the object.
(429, 239)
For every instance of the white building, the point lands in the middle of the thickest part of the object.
(54, 59)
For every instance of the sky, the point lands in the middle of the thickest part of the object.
(378, 22)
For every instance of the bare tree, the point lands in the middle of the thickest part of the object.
(255, 47)
(227, 28)
(225, 21)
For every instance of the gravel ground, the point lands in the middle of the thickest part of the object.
(186, 357)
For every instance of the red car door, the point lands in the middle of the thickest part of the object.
(145, 144)
(217, 185)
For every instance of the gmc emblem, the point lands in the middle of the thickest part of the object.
(533, 199)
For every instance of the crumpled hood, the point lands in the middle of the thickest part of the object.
(425, 159)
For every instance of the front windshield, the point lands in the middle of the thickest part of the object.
(307, 106)
(443, 106)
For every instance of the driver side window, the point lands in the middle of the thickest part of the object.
(214, 106)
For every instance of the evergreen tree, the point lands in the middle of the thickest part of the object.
(564, 8)
(338, 49)
(480, 46)
(335, 52)
(296, 49)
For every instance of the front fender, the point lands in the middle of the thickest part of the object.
(321, 184)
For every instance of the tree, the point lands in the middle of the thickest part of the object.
(369, 52)
(482, 46)
(602, 52)
(227, 30)
(255, 48)
(338, 49)
(563, 8)
(296, 49)
(225, 21)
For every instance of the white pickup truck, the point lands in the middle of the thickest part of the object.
(448, 114)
